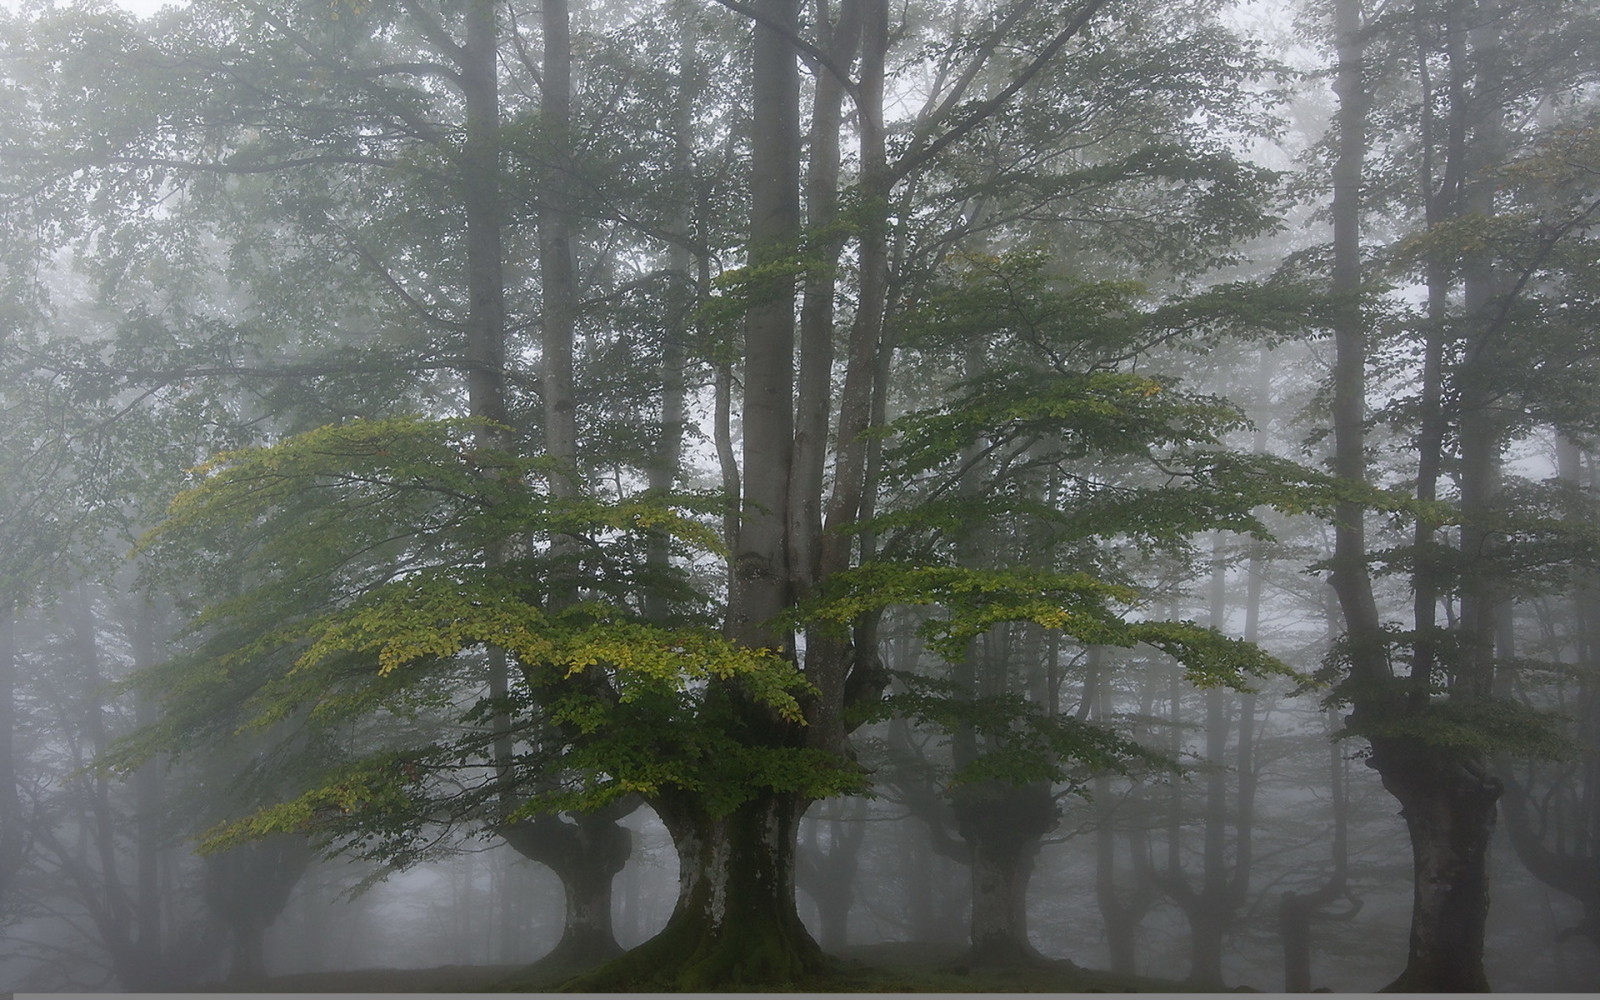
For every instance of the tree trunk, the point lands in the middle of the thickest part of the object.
(1449, 809)
(247, 964)
(13, 839)
(761, 581)
(1294, 929)
(828, 876)
(1121, 913)
(1002, 826)
(480, 199)
(586, 854)
(735, 923)
(557, 281)
(247, 887)
(814, 389)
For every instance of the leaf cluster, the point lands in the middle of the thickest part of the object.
(1022, 743)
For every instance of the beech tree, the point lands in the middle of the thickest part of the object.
(517, 624)
(1424, 697)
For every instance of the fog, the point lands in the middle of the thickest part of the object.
(647, 495)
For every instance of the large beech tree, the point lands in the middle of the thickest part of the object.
(1496, 233)
(396, 576)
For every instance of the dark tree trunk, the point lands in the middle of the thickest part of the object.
(1449, 809)
(586, 854)
(1002, 826)
(1294, 929)
(248, 887)
(735, 923)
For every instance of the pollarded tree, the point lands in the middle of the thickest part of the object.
(1046, 459)
(422, 552)
(1549, 808)
(1500, 225)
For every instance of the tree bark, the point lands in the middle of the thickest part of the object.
(1002, 826)
(557, 281)
(735, 923)
(586, 852)
(1350, 577)
(1449, 811)
(761, 577)
(480, 198)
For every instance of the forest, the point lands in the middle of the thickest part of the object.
(634, 495)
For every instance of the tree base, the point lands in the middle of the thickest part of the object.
(577, 953)
(688, 955)
(1440, 980)
(1007, 954)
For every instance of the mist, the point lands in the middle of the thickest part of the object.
(825, 497)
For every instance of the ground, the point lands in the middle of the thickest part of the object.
(885, 968)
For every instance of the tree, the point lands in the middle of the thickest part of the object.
(397, 575)
(1432, 731)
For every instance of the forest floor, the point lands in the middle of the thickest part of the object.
(883, 968)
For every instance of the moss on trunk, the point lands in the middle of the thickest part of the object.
(735, 923)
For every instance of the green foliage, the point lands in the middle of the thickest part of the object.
(1022, 743)
(1475, 729)
(971, 601)
(353, 582)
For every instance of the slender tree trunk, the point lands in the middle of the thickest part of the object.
(1350, 578)
(814, 390)
(480, 198)
(13, 838)
(558, 283)
(761, 578)
(1121, 911)
(663, 469)
(149, 824)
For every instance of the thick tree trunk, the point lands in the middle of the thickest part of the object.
(1002, 826)
(248, 887)
(735, 923)
(247, 962)
(761, 581)
(586, 854)
(1449, 809)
